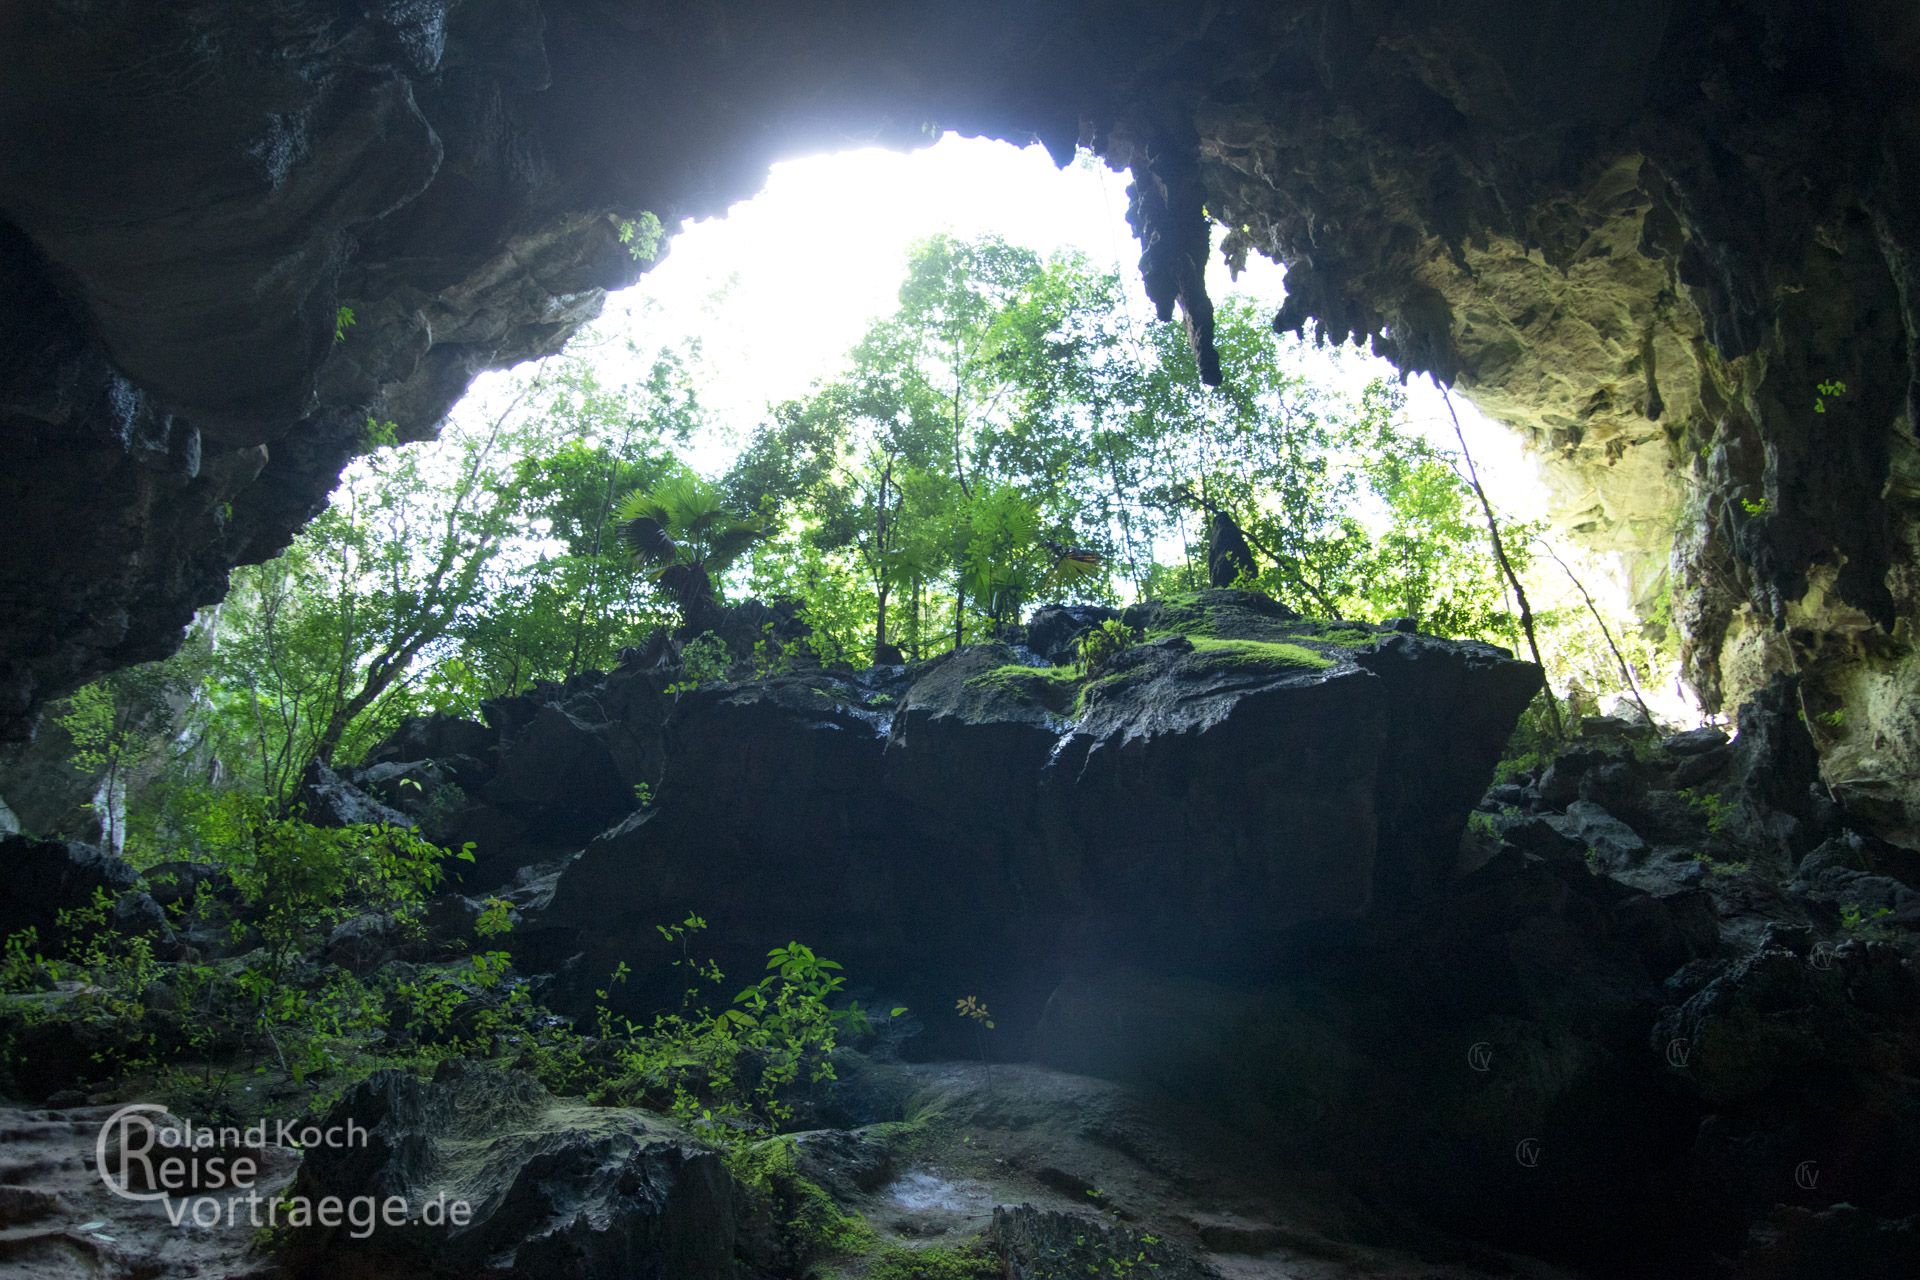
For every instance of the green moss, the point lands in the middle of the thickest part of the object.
(1207, 617)
(1015, 676)
(1257, 653)
(927, 1116)
(1095, 689)
(1051, 687)
(1346, 637)
(936, 1262)
(1183, 615)
(808, 1219)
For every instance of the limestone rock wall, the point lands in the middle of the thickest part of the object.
(1642, 233)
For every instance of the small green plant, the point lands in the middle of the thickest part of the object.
(343, 320)
(380, 435)
(733, 1070)
(770, 658)
(642, 236)
(1835, 719)
(22, 967)
(115, 970)
(703, 660)
(698, 971)
(1709, 805)
(1714, 866)
(495, 918)
(1755, 506)
(643, 794)
(1854, 918)
(1831, 387)
(298, 881)
(974, 1010)
(1099, 647)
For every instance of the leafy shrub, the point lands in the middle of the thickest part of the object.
(22, 967)
(770, 657)
(703, 660)
(736, 1068)
(1711, 806)
(1101, 645)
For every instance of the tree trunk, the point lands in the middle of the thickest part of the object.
(882, 584)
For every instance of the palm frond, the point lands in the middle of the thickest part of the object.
(1071, 565)
(649, 540)
(730, 543)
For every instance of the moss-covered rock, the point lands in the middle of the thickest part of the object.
(1006, 820)
(1257, 654)
(1052, 687)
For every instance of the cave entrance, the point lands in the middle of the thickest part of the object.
(767, 302)
(766, 305)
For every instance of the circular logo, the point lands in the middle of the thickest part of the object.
(1528, 1153)
(126, 1143)
(1480, 1056)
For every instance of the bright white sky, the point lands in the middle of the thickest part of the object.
(779, 289)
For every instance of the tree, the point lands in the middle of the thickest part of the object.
(118, 724)
(683, 529)
(319, 652)
(948, 454)
(563, 596)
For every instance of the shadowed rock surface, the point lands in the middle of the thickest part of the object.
(561, 1190)
(984, 823)
(1664, 976)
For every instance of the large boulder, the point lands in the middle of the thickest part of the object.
(41, 878)
(526, 1186)
(330, 800)
(989, 823)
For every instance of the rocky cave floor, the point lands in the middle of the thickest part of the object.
(1657, 1016)
(1068, 1174)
